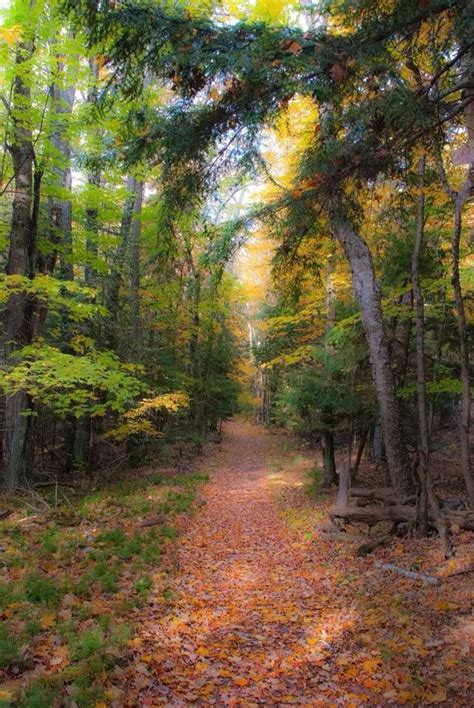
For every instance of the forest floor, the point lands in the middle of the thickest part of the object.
(269, 610)
(237, 598)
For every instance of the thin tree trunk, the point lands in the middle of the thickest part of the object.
(60, 220)
(329, 463)
(135, 267)
(360, 451)
(59, 207)
(367, 291)
(423, 445)
(426, 498)
(464, 431)
(327, 438)
(116, 274)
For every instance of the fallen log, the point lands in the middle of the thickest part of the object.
(382, 494)
(397, 513)
(430, 579)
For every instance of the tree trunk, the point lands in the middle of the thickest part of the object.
(367, 291)
(459, 199)
(116, 274)
(329, 463)
(20, 262)
(135, 267)
(465, 426)
(423, 444)
(59, 207)
(426, 498)
(364, 434)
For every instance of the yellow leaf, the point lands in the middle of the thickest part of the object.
(371, 665)
(437, 696)
(47, 620)
(202, 666)
(241, 681)
(202, 651)
(404, 696)
(100, 704)
(224, 673)
(147, 658)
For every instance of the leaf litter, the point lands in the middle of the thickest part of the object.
(269, 610)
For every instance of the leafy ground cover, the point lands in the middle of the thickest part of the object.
(247, 601)
(74, 580)
(268, 609)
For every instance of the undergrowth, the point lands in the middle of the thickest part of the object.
(72, 581)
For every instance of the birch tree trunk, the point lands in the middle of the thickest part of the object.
(367, 292)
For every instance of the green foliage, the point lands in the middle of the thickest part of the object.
(143, 585)
(39, 694)
(41, 590)
(87, 644)
(61, 297)
(91, 382)
(319, 394)
(9, 647)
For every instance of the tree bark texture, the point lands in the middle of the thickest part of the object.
(367, 291)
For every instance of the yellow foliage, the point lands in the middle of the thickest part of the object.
(136, 422)
(10, 35)
(170, 402)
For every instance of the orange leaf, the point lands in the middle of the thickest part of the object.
(371, 665)
(48, 620)
(438, 695)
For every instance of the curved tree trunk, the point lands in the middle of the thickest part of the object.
(367, 291)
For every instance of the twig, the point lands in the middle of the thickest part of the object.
(459, 572)
(151, 522)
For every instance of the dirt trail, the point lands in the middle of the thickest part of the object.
(262, 614)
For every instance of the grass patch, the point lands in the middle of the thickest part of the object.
(41, 590)
(9, 647)
(72, 577)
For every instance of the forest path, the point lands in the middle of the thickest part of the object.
(265, 612)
